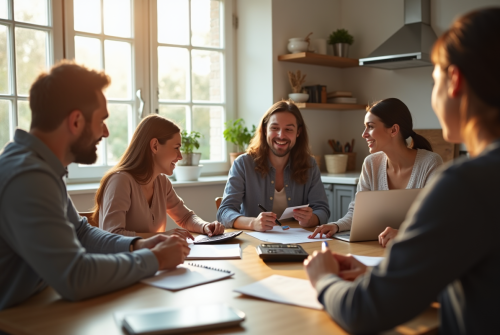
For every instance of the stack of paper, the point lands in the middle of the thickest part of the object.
(214, 251)
(289, 236)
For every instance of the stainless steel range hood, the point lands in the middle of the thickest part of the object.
(411, 45)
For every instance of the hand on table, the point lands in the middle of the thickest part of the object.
(303, 215)
(213, 228)
(387, 235)
(180, 232)
(328, 229)
(171, 251)
(265, 221)
(319, 264)
(349, 267)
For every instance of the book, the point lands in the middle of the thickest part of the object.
(285, 290)
(336, 94)
(214, 251)
(187, 275)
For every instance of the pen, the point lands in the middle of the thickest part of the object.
(324, 246)
(265, 210)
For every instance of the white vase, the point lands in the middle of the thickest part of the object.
(297, 44)
(187, 173)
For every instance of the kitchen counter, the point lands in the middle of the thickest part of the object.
(348, 178)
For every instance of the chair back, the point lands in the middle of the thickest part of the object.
(218, 200)
(90, 219)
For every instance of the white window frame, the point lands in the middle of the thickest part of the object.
(227, 78)
(54, 49)
(140, 85)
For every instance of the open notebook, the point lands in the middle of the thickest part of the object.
(185, 276)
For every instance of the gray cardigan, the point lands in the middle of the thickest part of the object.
(44, 241)
(438, 251)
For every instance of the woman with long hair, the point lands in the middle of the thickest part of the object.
(438, 252)
(136, 195)
(392, 164)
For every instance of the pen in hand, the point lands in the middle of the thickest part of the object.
(324, 246)
(275, 220)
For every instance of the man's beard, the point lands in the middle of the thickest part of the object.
(278, 154)
(84, 149)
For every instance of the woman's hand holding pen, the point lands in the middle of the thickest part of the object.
(319, 264)
(265, 221)
(213, 228)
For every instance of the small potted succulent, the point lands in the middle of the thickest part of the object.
(239, 135)
(188, 167)
(341, 40)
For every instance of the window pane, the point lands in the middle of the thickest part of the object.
(117, 20)
(4, 12)
(118, 131)
(207, 68)
(118, 65)
(4, 61)
(205, 23)
(4, 122)
(31, 57)
(176, 114)
(88, 52)
(173, 72)
(32, 11)
(23, 115)
(208, 120)
(87, 15)
(173, 23)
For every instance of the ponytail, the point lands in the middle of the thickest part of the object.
(419, 142)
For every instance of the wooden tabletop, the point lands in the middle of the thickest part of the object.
(47, 313)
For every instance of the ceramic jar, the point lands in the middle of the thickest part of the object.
(297, 44)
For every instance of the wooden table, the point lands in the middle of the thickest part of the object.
(47, 313)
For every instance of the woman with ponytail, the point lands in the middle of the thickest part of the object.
(392, 163)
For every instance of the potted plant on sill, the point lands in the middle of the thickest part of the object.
(341, 40)
(239, 135)
(188, 168)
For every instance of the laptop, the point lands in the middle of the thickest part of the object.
(376, 210)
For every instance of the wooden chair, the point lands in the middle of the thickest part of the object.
(90, 219)
(218, 200)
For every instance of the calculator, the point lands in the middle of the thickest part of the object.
(281, 252)
(217, 238)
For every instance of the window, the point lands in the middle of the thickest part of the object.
(30, 41)
(163, 56)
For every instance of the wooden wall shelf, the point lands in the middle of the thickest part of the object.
(308, 105)
(319, 59)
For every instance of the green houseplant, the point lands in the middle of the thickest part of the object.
(239, 135)
(341, 40)
(188, 168)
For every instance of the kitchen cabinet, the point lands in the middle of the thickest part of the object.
(339, 197)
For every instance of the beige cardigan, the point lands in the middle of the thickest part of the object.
(125, 210)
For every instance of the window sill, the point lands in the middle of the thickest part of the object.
(88, 188)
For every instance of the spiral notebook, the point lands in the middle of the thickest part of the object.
(187, 275)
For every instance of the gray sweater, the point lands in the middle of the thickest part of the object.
(374, 177)
(438, 252)
(44, 241)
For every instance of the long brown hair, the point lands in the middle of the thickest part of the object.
(300, 154)
(138, 159)
(393, 111)
(473, 45)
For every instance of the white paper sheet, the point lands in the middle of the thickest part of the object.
(292, 235)
(369, 260)
(214, 251)
(285, 290)
(288, 213)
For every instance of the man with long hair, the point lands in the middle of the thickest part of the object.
(43, 240)
(277, 172)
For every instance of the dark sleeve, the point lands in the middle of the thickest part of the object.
(428, 254)
(46, 239)
(317, 196)
(229, 209)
